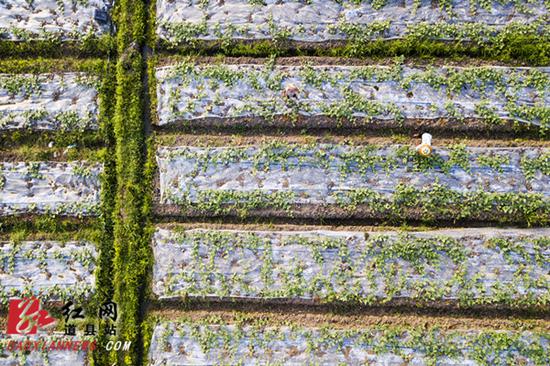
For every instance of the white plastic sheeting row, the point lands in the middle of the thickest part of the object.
(319, 20)
(13, 357)
(68, 188)
(259, 91)
(40, 19)
(311, 265)
(320, 174)
(48, 101)
(47, 268)
(182, 343)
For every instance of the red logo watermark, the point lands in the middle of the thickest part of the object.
(26, 316)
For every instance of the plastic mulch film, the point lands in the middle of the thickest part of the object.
(328, 20)
(67, 188)
(398, 93)
(321, 174)
(64, 102)
(57, 19)
(49, 269)
(191, 344)
(352, 266)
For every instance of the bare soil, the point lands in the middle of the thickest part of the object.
(447, 126)
(328, 137)
(350, 318)
(319, 60)
(333, 212)
(256, 226)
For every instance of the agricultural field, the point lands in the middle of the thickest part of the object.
(56, 197)
(366, 181)
(53, 269)
(354, 95)
(467, 266)
(60, 188)
(47, 19)
(49, 102)
(229, 344)
(250, 182)
(328, 20)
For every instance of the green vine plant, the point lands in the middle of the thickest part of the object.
(2, 179)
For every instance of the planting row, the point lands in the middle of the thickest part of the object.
(457, 182)
(353, 94)
(53, 270)
(49, 188)
(463, 266)
(48, 101)
(182, 21)
(23, 20)
(183, 343)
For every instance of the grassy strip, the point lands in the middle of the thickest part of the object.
(131, 244)
(152, 63)
(527, 49)
(36, 153)
(47, 65)
(21, 138)
(49, 228)
(105, 271)
(86, 47)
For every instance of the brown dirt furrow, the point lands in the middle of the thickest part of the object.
(336, 214)
(258, 226)
(320, 60)
(349, 318)
(445, 126)
(251, 138)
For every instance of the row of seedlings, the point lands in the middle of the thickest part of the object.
(59, 188)
(369, 181)
(57, 271)
(463, 267)
(50, 20)
(465, 98)
(63, 102)
(322, 23)
(185, 342)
